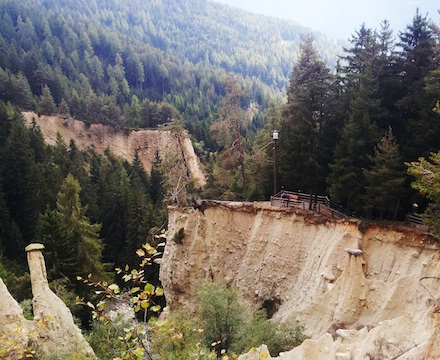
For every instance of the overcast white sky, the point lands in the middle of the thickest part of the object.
(340, 18)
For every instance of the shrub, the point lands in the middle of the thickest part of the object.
(228, 325)
(221, 316)
(104, 337)
(179, 236)
(178, 337)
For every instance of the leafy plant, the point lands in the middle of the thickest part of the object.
(221, 316)
(179, 337)
(104, 337)
(141, 297)
(230, 328)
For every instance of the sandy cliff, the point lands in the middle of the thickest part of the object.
(378, 304)
(121, 143)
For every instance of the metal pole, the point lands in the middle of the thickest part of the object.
(275, 135)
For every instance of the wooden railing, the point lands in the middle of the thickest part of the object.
(416, 221)
(323, 205)
(318, 203)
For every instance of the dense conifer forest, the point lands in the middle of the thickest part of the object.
(348, 121)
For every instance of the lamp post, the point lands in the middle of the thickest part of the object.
(275, 136)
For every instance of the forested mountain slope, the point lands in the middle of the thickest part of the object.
(110, 61)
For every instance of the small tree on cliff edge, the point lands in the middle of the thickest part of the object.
(427, 174)
(427, 183)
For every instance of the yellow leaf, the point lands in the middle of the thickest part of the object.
(114, 288)
(144, 304)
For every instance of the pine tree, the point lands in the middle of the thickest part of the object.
(385, 178)
(156, 189)
(427, 182)
(63, 109)
(113, 187)
(139, 223)
(415, 62)
(22, 92)
(19, 174)
(80, 249)
(306, 119)
(5, 223)
(47, 104)
(359, 134)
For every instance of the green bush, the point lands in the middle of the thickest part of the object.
(178, 337)
(230, 326)
(278, 337)
(179, 236)
(104, 338)
(26, 306)
(221, 316)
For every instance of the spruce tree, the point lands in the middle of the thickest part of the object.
(19, 174)
(415, 64)
(47, 104)
(305, 123)
(360, 132)
(113, 188)
(427, 182)
(22, 93)
(385, 178)
(156, 180)
(63, 109)
(80, 239)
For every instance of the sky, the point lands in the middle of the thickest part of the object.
(339, 19)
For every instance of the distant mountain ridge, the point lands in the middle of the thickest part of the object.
(96, 55)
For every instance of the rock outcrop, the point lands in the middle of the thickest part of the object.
(122, 143)
(361, 291)
(52, 329)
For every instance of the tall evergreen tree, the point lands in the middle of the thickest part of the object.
(346, 180)
(156, 189)
(359, 134)
(19, 173)
(22, 92)
(113, 184)
(47, 104)
(385, 179)
(5, 222)
(81, 243)
(306, 119)
(415, 63)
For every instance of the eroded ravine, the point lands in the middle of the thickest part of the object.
(384, 298)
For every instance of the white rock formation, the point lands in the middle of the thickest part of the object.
(360, 295)
(52, 329)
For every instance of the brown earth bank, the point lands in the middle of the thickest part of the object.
(363, 291)
(122, 143)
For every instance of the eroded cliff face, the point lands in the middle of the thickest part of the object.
(121, 143)
(380, 303)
